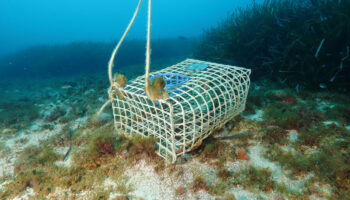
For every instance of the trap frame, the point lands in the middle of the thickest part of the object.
(203, 96)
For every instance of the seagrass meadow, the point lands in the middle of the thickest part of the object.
(279, 133)
(302, 44)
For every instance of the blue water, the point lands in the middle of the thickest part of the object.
(293, 135)
(26, 23)
(63, 38)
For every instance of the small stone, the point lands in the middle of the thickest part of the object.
(242, 198)
(278, 198)
(66, 87)
(180, 191)
(293, 136)
(242, 154)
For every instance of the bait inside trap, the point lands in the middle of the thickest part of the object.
(203, 96)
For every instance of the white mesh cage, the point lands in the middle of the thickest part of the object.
(203, 96)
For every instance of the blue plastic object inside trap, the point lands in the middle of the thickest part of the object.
(173, 82)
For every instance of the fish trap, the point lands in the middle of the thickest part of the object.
(203, 96)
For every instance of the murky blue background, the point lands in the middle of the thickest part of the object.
(34, 22)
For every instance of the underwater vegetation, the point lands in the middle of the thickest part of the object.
(156, 90)
(259, 179)
(18, 114)
(29, 170)
(328, 161)
(303, 44)
(296, 117)
(82, 156)
(306, 133)
(320, 149)
(120, 79)
(219, 152)
(121, 82)
(98, 154)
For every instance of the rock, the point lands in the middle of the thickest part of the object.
(242, 198)
(278, 198)
(180, 191)
(66, 86)
(293, 136)
(242, 154)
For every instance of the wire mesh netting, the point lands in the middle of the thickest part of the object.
(203, 96)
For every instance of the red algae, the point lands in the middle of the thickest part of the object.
(289, 101)
(242, 155)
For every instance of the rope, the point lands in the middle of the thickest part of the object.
(148, 47)
(106, 103)
(111, 60)
(148, 54)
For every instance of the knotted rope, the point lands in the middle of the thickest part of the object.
(111, 60)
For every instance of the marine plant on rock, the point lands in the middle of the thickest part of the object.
(322, 150)
(97, 154)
